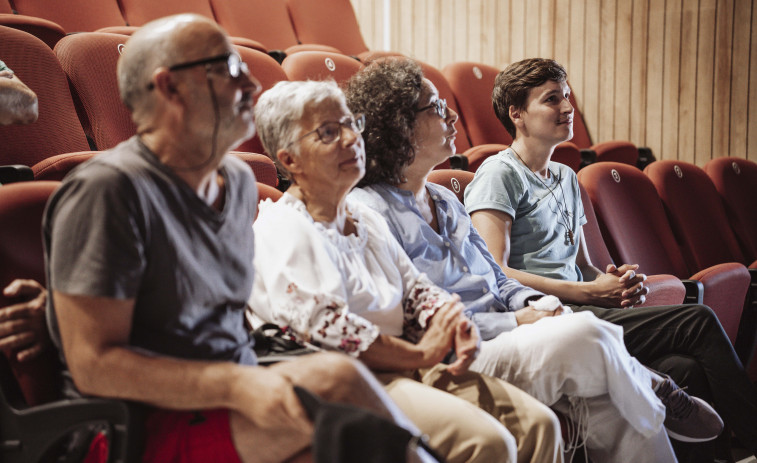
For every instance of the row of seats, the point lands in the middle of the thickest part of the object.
(94, 118)
(680, 222)
(269, 25)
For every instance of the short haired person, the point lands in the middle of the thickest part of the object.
(18, 103)
(149, 253)
(528, 210)
(336, 278)
(575, 363)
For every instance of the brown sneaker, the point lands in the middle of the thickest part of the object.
(688, 419)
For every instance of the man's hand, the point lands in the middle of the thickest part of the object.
(22, 326)
(528, 315)
(619, 287)
(635, 292)
(267, 399)
(467, 345)
(438, 338)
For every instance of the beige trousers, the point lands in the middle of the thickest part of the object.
(476, 418)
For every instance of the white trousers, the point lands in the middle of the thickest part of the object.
(578, 356)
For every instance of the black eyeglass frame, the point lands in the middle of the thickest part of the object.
(356, 124)
(440, 106)
(234, 70)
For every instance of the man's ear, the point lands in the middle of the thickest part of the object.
(162, 82)
(513, 113)
(289, 160)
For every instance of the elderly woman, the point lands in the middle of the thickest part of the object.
(575, 363)
(331, 274)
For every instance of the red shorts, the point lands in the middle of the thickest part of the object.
(189, 437)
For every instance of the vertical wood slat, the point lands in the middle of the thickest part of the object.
(679, 76)
(721, 104)
(670, 79)
(592, 68)
(740, 78)
(622, 71)
(688, 84)
(606, 85)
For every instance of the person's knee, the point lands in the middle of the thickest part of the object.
(339, 376)
(492, 443)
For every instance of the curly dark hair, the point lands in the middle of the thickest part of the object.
(511, 87)
(387, 91)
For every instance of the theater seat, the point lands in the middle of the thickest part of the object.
(57, 129)
(663, 289)
(74, 15)
(617, 151)
(33, 416)
(636, 230)
(735, 179)
(47, 31)
(701, 227)
(313, 65)
(262, 166)
(89, 60)
(57, 167)
(454, 180)
(264, 21)
(139, 12)
(332, 23)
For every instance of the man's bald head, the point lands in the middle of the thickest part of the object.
(162, 43)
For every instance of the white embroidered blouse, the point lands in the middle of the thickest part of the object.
(335, 291)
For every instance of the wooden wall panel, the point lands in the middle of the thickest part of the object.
(679, 76)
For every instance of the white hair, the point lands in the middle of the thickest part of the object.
(280, 109)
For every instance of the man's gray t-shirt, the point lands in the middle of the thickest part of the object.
(124, 226)
(542, 210)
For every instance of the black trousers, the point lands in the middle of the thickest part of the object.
(688, 343)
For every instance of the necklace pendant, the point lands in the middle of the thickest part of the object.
(570, 237)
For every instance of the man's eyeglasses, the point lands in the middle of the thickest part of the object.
(331, 131)
(234, 65)
(440, 108)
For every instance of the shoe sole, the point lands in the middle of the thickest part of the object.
(682, 438)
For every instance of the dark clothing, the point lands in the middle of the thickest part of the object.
(668, 339)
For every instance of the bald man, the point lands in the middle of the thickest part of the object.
(149, 261)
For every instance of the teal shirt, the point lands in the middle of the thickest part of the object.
(4, 67)
(542, 210)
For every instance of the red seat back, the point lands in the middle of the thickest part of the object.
(616, 151)
(472, 84)
(567, 153)
(327, 22)
(90, 60)
(736, 181)
(74, 15)
(263, 20)
(57, 129)
(313, 65)
(262, 166)
(57, 167)
(21, 252)
(139, 12)
(47, 31)
(455, 181)
(696, 214)
(632, 218)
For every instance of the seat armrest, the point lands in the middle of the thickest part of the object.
(694, 291)
(458, 162)
(15, 173)
(645, 158)
(588, 156)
